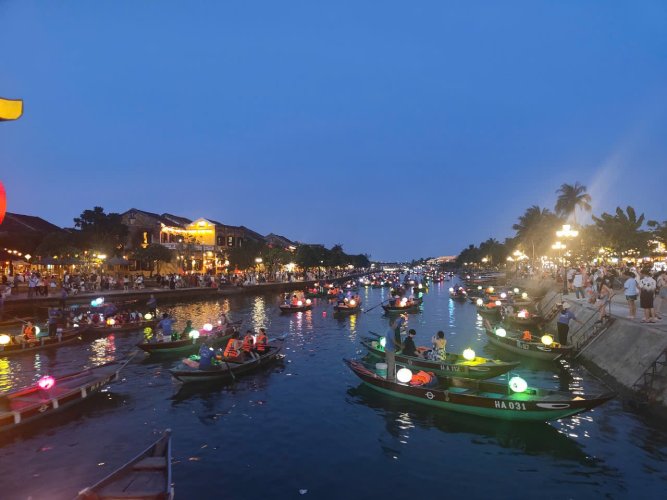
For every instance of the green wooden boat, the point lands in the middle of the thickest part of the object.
(215, 338)
(455, 365)
(483, 398)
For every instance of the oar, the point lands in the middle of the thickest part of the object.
(368, 310)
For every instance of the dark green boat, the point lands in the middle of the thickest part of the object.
(483, 398)
(455, 365)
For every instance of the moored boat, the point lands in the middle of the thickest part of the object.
(9, 347)
(53, 394)
(228, 370)
(351, 306)
(146, 476)
(454, 365)
(217, 337)
(289, 308)
(132, 326)
(536, 347)
(514, 401)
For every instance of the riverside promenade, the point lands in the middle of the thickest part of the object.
(20, 302)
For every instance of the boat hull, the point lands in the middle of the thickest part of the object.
(67, 337)
(533, 350)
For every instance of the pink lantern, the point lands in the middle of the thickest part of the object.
(46, 382)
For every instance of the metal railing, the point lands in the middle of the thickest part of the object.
(644, 384)
(591, 329)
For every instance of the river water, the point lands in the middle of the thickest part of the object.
(306, 428)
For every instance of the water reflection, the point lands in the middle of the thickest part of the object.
(103, 350)
(5, 374)
(258, 316)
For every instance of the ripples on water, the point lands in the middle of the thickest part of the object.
(307, 424)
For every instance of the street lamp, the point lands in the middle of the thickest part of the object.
(560, 247)
(567, 232)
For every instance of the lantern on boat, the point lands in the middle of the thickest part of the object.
(420, 286)
(469, 354)
(46, 382)
(299, 303)
(522, 314)
(111, 322)
(75, 325)
(383, 342)
(480, 302)
(208, 327)
(524, 295)
(498, 303)
(501, 332)
(193, 334)
(517, 384)
(503, 295)
(547, 339)
(5, 339)
(479, 287)
(308, 302)
(404, 301)
(148, 316)
(353, 303)
(516, 290)
(37, 331)
(451, 290)
(148, 330)
(490, 289)
(404, 375)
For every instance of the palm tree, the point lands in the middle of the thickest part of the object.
(536, 228)
(622, 231)
(570, 198)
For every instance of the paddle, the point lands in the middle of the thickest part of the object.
(368, 310)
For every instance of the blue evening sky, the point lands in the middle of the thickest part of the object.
(401, 129)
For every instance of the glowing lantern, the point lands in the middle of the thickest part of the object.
(451, 290)
(517, 384)
(299, 303)
(404, 300)
(516, 290)
(501, 332)
(524, 295)
(308, 302)
(404, 375)
(193, 334)
(353, 303)
(490, 289)
(5, 339)
(383, 342)
(498, 303)
(148, 316)
(46, 382)
(111, 322)
(469, 354)
(208, 327)
(420, 286)
(479, 287)
(480, 302)
(503, 295)
(522, 314)
(76, 325)
(148, 330)
(37, 331)
(547, 339)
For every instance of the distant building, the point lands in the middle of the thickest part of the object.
(277, 240)
(19, 237)
(441, 260)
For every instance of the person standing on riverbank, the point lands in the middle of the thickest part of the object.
(661, 290)
(563, 322)
(647, 286)
(631, 292)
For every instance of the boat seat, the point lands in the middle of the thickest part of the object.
(151, 463)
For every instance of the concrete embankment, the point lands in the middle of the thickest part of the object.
(619, 351)
(33, 306)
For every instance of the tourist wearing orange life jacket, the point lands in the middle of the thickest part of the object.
(248, 342)
(261, 343)
(527, 337)
(422, 378)
(233, 348)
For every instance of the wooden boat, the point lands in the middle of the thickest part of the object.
(126, 327)
(289, 308)
(493, 313)
(484, 398)
(408, 309)
(146, 477)
(459, 295)
(529, 321)
(513, 342)
(25, 405)
(455, 365)
(65, 337)
(423, 289)
(345, 307)
(228, 370)
(217, 337)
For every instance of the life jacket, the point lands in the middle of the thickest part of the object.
(29, 331)
(231, 351)
(422, 378)
(294, 301)
(261, 344)
(247, 343)
(527, 336)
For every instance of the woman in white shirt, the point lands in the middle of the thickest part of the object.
(647, 287)
(631, 292)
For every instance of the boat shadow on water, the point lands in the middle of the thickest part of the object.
(532, 438)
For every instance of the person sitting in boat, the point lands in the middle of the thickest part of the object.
(248, 344)
(28, 333)
(233, 349)
(186, 331)
(166, 324)
(295, 301)
(439, 344)
(262, 341)
(526, 337)
(409, 347)
(205, 356)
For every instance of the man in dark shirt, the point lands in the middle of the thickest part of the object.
(409, 347)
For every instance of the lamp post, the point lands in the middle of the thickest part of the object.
(560, 247)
